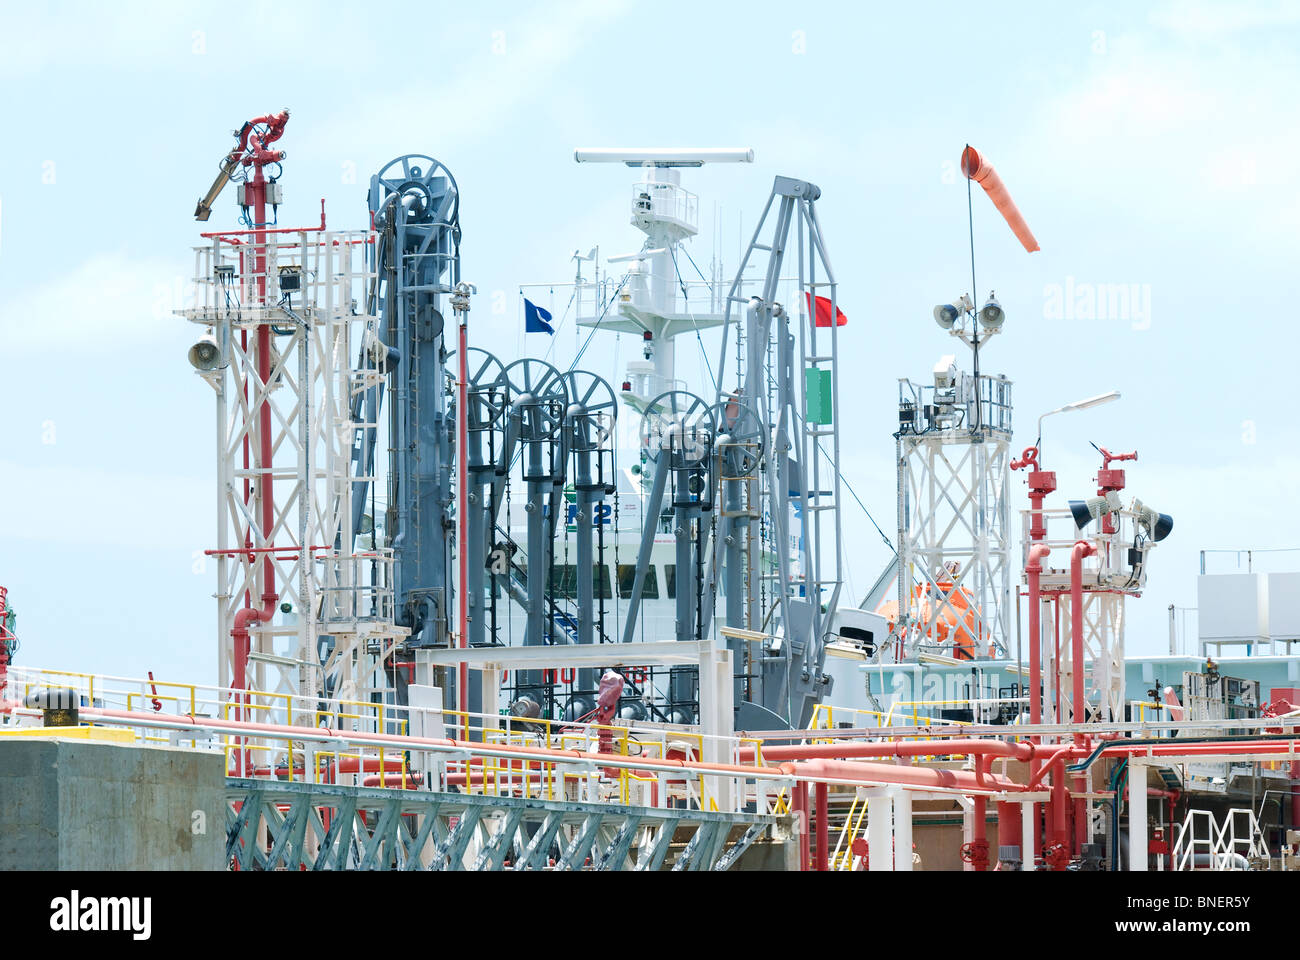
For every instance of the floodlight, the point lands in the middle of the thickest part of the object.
(1078, 405)
(946, 315)
(991, 314)
(1091, 401)
(384, 357)
(1158, 525)
(1086, 511)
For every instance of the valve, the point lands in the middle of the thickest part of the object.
(976, 852)
(1056, 854)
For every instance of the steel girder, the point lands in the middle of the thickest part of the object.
(278, 825)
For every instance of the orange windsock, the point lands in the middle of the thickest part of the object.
(981, 171)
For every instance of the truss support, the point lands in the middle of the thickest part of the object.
(330, 827)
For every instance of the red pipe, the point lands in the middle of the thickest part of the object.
(928, 777)
(1033, 573)
(368, 764)
(1056, 641)
(258, 157)
(914, 748)
(1057, 753)
(240, 638)
(979, 833)
(823, 828)
(1059, 805)
(1010, 823)
(462, 498)
(1081, 549)
(981, 171)
(407, 781)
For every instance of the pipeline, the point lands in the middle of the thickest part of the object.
(1195, 746)
(933, 778)
(1033, 574)
(836, 751)
(1081, 549)
(432, 744)
(1079, 705)
(1033, 571)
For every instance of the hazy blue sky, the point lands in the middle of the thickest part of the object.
(1146, 144)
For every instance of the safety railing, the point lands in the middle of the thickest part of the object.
(243, 280)
(925, 408)
(842, 856)
(1205, 844)
(356, 586)
(282, 736)
(1110, 566)
(665, 201)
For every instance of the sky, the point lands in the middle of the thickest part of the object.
(1154, 146)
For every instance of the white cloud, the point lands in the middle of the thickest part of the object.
(109, 297)
(91, 507)
(1218, 19)
(1187, 120)
(513, 67)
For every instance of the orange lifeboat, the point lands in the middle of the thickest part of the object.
(946, 614)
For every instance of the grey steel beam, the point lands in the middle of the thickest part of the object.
(737, 849)
(616, 852)
(605, 831)
(580, 846)
(495, 850)
(534, 856)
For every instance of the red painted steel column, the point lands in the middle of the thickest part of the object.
(462, 498)
(1033, 573)
(1081, 549)
(823, 828)
(1059, 808)
(255, 188)
(1010, 821)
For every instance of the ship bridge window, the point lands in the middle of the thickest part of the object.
(564, 581)
(627, 576)
(600, 588)
(670, 580)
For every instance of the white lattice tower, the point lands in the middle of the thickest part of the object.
(302, 308)
(954, 518)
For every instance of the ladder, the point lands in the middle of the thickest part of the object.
(790, 378)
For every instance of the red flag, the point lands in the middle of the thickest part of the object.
(823, 312)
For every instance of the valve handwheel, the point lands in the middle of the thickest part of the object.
(681, 423)
(1056, 854)
(536, 391)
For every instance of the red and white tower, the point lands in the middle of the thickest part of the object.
(304, 603)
